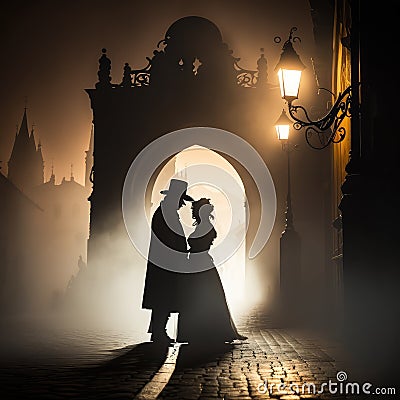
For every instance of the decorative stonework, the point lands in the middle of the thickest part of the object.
(192, 49)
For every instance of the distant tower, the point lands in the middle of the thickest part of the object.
(25, 167)
(89, 160)
(52, 179)
(262, 68)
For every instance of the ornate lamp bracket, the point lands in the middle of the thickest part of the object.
(328, 129)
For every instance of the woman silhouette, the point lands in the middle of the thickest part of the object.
(205, 316)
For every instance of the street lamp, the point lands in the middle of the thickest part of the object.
(282, 127)
(290, 243)
(289, 68)
(328, 128)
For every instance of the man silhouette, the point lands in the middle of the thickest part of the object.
(167, 261)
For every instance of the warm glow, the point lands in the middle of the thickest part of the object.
(282, 131)
(282, 126)
(233, 270)
(289, 82)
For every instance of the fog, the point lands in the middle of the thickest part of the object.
(51, 51)
(51, 56)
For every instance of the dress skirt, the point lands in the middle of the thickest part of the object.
(204, 315)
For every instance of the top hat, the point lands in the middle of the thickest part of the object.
(177, 188)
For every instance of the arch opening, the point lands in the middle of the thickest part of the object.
(230, 213)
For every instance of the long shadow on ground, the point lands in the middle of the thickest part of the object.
(118, 378)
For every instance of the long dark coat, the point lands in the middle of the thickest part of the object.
(164, 288)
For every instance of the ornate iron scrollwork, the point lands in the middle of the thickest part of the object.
(327, 129)
(141, 77)
(245, 77)
(91, 175)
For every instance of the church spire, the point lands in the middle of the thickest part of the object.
(40, 161)
(72, 173)
(23, 130)
(32, 137)
(25, 166)
(52, 179)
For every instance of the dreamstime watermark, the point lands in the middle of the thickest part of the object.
(338, 387)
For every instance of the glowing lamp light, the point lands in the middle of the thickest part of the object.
(289, 83)
(289, 69)
(282, 126)
(324, 130)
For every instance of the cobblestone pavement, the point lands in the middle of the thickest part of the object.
(269, 355)
(254, 369)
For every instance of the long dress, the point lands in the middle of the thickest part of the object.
(205, 315)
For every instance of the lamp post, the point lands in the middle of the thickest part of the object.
(282, 127)
(327, 129)
(290, 243)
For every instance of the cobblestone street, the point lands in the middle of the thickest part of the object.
(271, 363)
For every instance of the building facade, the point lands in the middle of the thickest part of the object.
(192, 80)
(45, 229)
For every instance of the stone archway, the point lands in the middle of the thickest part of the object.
(179, 166)
(168, 96)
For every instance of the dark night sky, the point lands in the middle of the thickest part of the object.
(50, 52)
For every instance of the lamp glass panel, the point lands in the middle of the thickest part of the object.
(282, 131)
(289, 82)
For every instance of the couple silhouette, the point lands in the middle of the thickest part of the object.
(181, 276)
